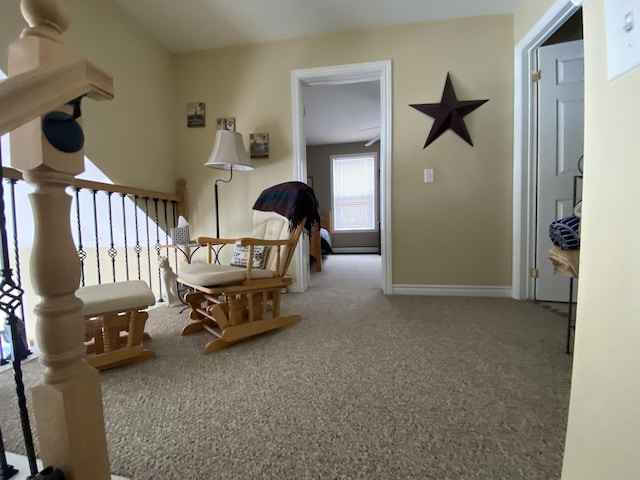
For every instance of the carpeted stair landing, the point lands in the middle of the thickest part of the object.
(366, 386)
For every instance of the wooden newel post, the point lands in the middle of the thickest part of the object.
(67, 405)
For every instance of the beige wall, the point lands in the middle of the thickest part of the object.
(603, 438)
(129, 138)
(603, 432)
(527, 14)
(11, 24)
(132, 138)
(461, 224)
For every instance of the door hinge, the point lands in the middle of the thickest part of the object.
(533, 273)
(536, 76)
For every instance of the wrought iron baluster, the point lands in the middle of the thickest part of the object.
(3, 360)
(146, 212)
(137, 248)
(95, 223)
(175, 224)
(112, 251)
(10, 300)
(81, 252)
(157, 246)
(6, 471)
(14, 224)
(124, 228)
(166, 227)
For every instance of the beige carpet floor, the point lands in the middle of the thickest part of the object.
(366, 386)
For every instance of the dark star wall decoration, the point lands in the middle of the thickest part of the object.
(448, 114)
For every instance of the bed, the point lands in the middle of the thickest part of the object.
(320, 240)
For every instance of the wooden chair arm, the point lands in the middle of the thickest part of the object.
(211, 242)
(215, 241)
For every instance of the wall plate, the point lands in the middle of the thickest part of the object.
(623, 36)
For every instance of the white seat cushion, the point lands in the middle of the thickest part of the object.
(208, 275)
(115, 297)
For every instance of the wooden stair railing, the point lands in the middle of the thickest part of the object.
(178, 197)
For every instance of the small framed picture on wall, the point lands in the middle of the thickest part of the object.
(196, 114)
(259, 145)
(226, 123)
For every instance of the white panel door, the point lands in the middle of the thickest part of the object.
(560, 146)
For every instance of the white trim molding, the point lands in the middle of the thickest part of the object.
(336, 75)
(355, 250)
(525, 147)
(453, 290)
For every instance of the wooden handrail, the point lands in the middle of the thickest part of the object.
(31, 94)
(13, 174)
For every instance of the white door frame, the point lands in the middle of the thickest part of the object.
(336, 75)
(524, 154)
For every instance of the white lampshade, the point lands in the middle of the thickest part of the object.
(229, 152)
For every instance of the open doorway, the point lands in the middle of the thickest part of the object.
(526, 149)
(379, 72)
(342, 131)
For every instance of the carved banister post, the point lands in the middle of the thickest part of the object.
(182, 207)
(67, 404)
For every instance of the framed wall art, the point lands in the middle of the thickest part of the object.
(196, 114)
(259, 145)
(226, 123)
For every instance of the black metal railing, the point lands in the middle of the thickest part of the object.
(11, 304)
(111, 225)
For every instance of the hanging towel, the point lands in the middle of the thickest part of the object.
(565, 262)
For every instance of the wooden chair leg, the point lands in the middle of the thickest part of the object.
(256, 306)
(275, 303)
(237, 307)
(137, 322)
(111, 348)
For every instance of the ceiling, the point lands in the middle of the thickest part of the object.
(334, 113)
(341, 113)
(189, 25)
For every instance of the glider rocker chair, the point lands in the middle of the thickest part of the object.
(237, 301)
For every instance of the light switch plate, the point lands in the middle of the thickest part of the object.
(623, 36)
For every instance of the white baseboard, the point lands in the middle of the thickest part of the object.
(355, 249)
(452, 290)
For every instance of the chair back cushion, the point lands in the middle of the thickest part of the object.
(271, 226)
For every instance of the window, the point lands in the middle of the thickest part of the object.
(353, 182)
